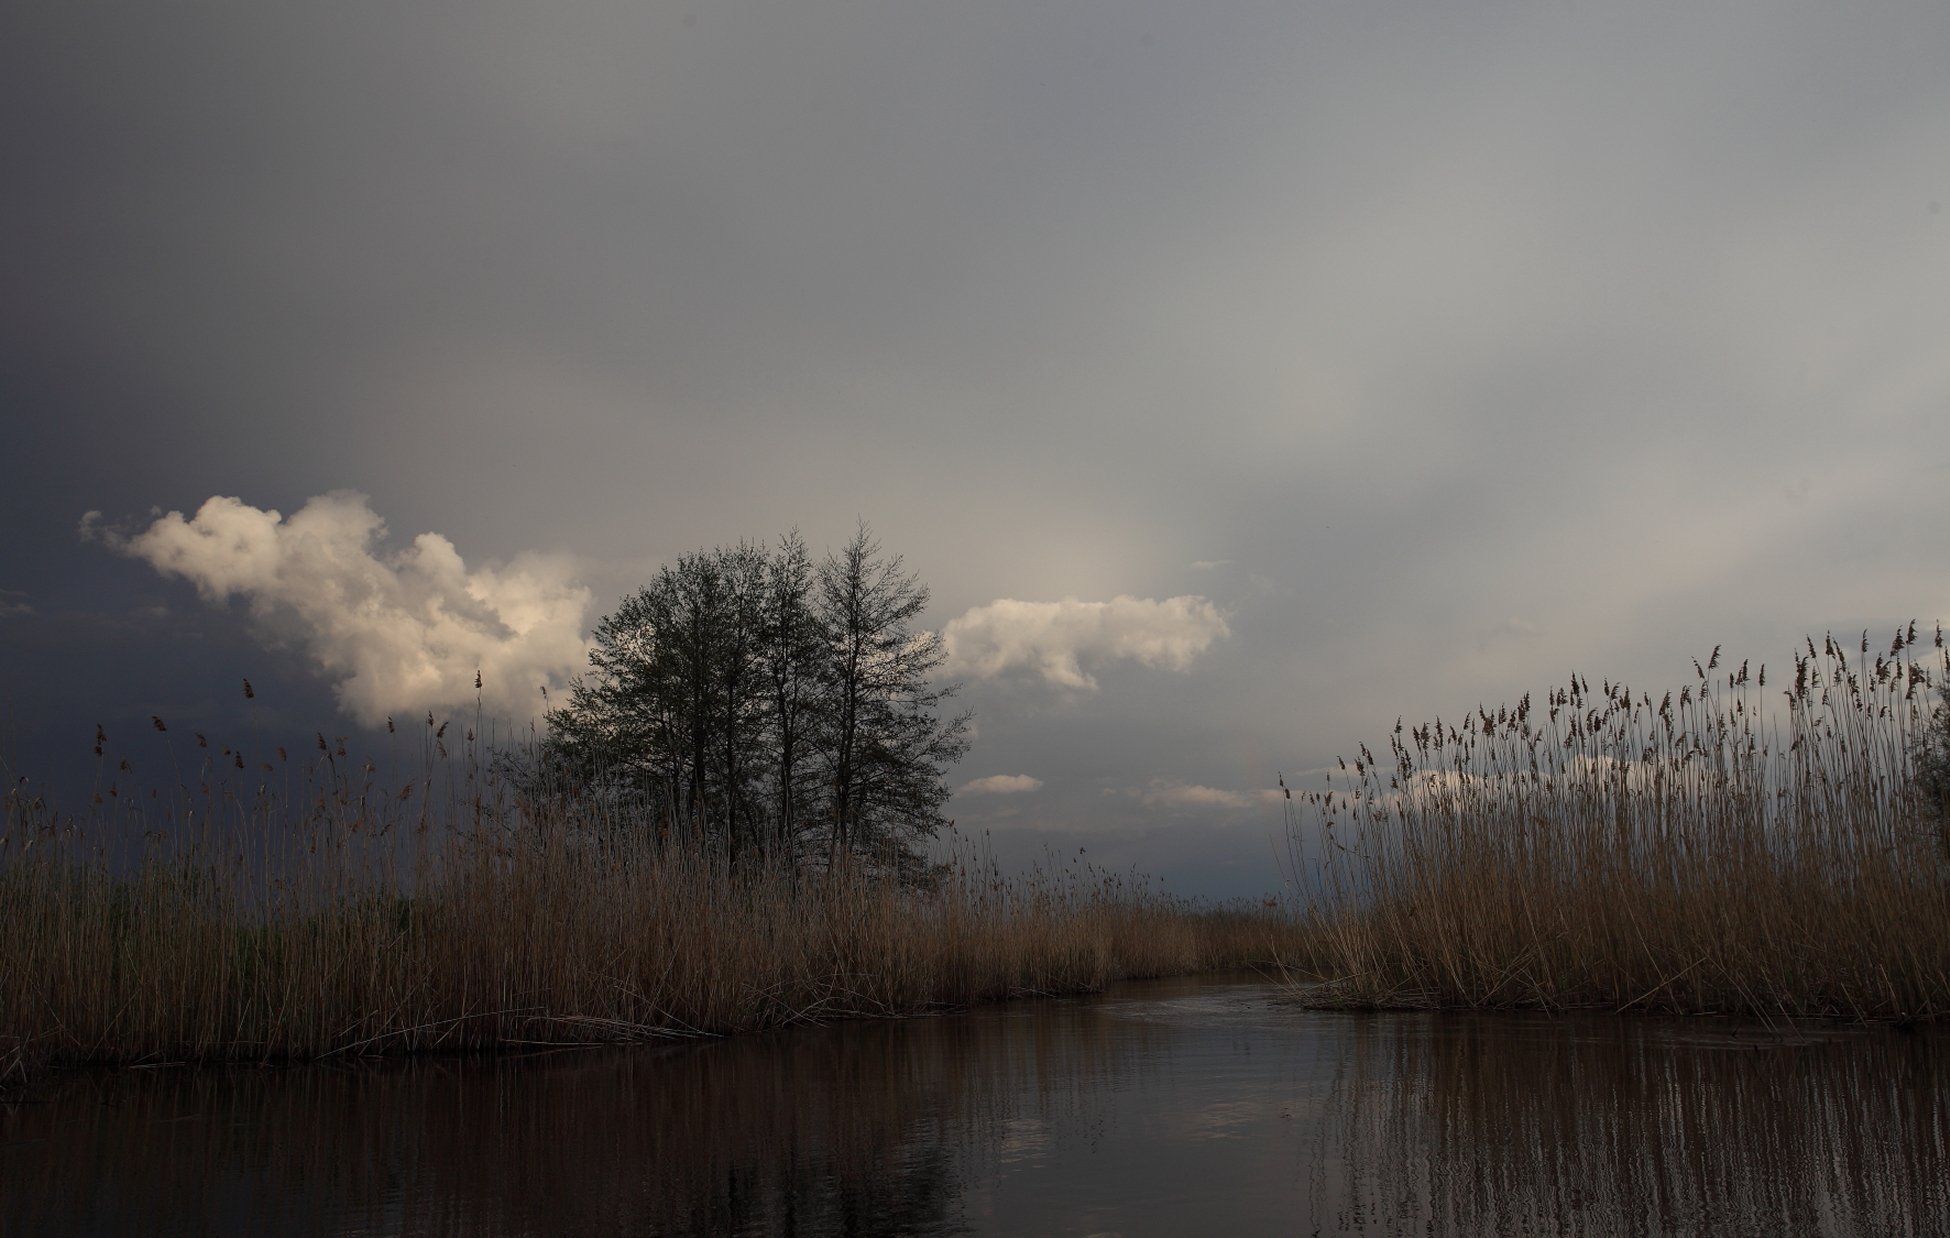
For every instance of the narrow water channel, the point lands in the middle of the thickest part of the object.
(1193, 1106)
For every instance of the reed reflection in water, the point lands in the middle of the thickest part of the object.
(1592, 1125)
(1167, 1107)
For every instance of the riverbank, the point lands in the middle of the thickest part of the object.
(287, 938)
(1704, 851)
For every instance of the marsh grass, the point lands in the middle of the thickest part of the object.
(1728, 848)
(302, 912)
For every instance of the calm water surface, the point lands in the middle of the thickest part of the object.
(1176, 1107)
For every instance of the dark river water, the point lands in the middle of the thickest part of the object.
(1199, 1106)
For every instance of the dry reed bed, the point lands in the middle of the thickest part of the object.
(256, 931)
(1730, 848)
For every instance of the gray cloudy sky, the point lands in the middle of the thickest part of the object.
(1239, 376)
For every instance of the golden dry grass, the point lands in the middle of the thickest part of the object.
(1733, 847)
(340, 920)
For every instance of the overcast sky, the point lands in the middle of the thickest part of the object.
(1239, 376)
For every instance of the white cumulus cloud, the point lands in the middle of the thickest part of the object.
(1001, 784)
(398, 632)
(1061, 640)
(1162, 793)
(1514, 628)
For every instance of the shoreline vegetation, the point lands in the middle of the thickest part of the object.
(344, 920)
(1708, 853)
(1779, 852)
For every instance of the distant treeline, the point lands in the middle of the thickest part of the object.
(775, 708)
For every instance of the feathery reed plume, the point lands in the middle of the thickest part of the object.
(341, 918)
(1709, 853)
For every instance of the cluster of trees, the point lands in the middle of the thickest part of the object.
(768, 705)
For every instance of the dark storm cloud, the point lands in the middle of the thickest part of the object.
(1437, 351)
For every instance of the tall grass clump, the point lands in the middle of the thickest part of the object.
(1731, 848)
(306, 912)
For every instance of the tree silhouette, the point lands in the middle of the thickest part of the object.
(762, 704)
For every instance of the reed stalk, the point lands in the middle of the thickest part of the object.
(1725, 848)
(311, 914)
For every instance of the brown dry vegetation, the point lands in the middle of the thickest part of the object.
(1733, 847)
(338, 919)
